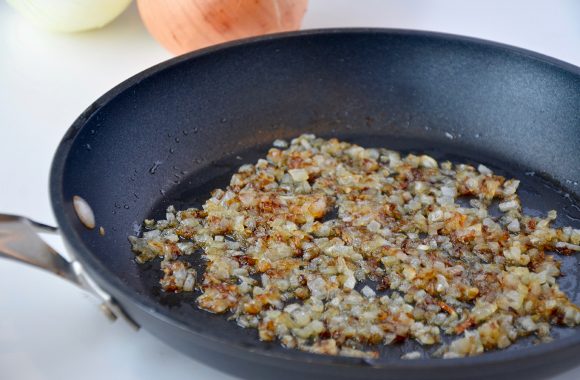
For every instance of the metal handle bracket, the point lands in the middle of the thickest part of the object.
(19, 241)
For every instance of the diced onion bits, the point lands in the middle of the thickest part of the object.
(335, 249)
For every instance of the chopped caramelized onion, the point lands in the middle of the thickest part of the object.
(335, 249)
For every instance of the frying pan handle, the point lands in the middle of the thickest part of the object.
(19, 240)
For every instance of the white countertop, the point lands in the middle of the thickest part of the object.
(48, 328)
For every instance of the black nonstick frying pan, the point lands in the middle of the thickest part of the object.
(176, 131)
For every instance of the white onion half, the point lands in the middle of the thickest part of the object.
(70, 15)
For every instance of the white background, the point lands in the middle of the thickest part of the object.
(49, 329)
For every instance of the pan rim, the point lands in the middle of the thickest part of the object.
(99, 271)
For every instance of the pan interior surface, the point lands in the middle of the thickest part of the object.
(171, 135)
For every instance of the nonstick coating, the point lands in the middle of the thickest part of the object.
(172, 133)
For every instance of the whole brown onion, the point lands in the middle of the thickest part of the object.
(185, 25)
